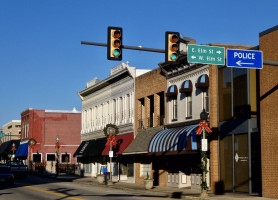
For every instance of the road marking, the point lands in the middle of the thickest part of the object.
(54, 193)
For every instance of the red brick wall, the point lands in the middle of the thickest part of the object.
(44, 127)
(148, 84)
(269, 115)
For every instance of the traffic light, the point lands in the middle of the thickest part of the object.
(172, 43)
(114, 45)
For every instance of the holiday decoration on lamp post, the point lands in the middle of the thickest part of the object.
(13, 149)
(110, 131)
(32, 143)
(57, 146)
(203, 128)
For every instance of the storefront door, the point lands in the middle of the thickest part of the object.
(234, 162)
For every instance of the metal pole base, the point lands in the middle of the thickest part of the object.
(204, 194)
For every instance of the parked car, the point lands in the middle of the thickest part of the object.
(6, 176)
(18, 168)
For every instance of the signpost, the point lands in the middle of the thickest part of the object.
(206, 54)
(244, 59)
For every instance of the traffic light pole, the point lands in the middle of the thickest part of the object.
(265, 62)
(126, 47)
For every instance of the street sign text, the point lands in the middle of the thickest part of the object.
(244, 59)
(206, 54)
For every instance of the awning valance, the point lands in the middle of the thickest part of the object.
(186, 87)
(202, 81)
(174, 141)
(123, 141)
(90, 148)
(22, 150)
(172, 91)
(141, 142)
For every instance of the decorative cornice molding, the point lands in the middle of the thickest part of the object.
(188, 76)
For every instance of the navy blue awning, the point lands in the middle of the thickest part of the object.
(22, 150)
(202, 81)
(174, 140)
(186, 86)
(172, 91)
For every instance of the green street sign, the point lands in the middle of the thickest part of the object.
(2, 134)
(205, 54)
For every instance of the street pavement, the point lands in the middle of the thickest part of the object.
(167, 192)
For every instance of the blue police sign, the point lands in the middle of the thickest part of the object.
(244, 58)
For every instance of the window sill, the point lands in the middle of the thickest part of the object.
(174, 120)
(189, 117)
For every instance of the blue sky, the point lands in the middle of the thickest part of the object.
(43, 65)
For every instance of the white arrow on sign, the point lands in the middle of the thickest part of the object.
(240, 63)
(193, 57)
(219, 52)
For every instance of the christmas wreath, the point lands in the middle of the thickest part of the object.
(32, 142)
(109, 126)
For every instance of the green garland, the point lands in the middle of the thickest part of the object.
(110, 126)
(32, 142)
(203, 166)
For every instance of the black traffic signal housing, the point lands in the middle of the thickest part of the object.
(114, 43)
(172, 44)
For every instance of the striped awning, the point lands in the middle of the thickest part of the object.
(172, 91)
(202, 81)
(174, 140)
(186, 87)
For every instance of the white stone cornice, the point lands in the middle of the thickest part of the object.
(190, 75)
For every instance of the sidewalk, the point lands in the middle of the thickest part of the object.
(158, 191)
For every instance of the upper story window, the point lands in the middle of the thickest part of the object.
(203, 84)
(186, 89)
(172, 93)
(233, 93)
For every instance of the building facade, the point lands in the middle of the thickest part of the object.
(10, 140)
(150, 112)
(12, 130)
(268, 111)
(110, 101)
(43, 128)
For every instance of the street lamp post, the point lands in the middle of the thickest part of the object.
(13, 149)
(204, 117)
(57, 154)
(111, 131)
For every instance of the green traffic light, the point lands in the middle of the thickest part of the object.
(174, 56)
(116, 52)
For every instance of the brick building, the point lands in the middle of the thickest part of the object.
(268, 99)
(150, 111)
(44, 126)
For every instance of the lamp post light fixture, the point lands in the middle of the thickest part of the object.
(204, 118)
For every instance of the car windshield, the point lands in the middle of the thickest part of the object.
(5, 169)
(15, 163)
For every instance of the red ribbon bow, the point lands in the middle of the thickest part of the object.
(13, 149)
(201, 126)
(57, 145)
(109, 139)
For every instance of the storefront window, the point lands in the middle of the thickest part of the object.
(225, 94)
(240, 104)
(126, 169)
